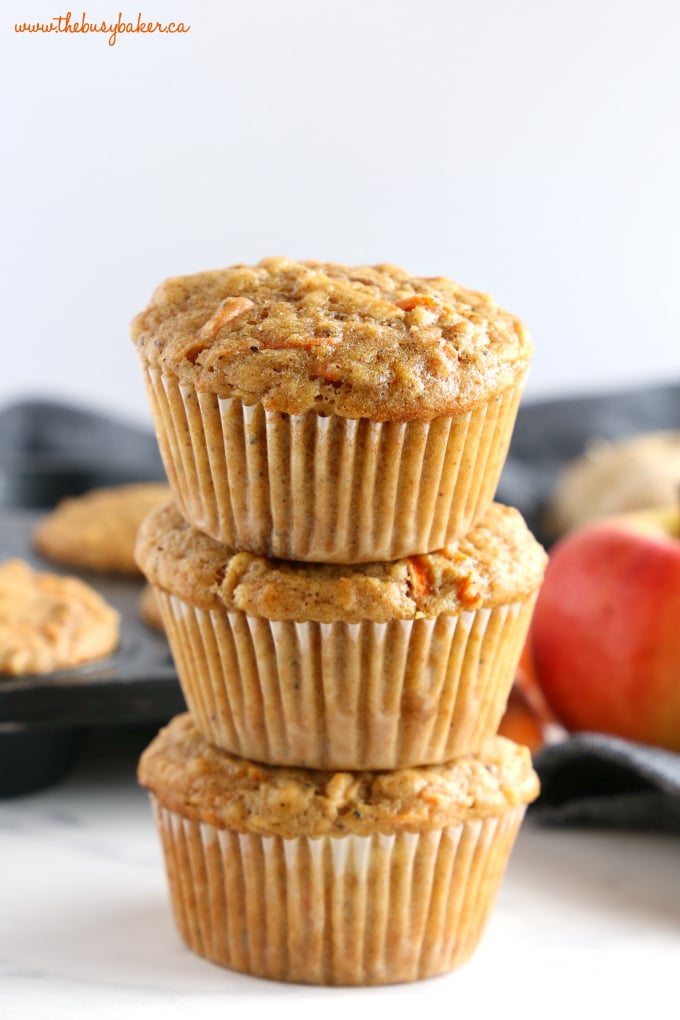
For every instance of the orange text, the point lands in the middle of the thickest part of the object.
(68, 24)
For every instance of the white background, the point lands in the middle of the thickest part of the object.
(529, 149)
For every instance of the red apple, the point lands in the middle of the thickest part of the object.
(605, 636)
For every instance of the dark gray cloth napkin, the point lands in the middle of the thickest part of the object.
(593, 779)
(48, 447)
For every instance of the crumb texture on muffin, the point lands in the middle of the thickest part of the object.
(191, 777)
(48, 622)
(97, 530)
(360, 342)
(499, 561)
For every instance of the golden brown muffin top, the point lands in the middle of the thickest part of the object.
(97, 530)
(498, 562)
(361, 342)
(196, 780)
(49, 622)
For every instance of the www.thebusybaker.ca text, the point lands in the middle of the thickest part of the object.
(67, 24)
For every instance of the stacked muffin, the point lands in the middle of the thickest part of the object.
(345, 605)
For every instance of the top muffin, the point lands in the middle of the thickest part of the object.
(359, 342)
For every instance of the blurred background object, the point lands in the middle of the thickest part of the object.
(528, 153)
(616, 476)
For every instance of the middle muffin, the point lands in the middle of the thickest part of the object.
(326, 666)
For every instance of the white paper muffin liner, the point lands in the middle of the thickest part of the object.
(346, 696)
(327, 489)
(349, 910)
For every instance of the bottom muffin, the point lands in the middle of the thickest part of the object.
(335, 878)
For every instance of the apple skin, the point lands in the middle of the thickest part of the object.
(605, 636)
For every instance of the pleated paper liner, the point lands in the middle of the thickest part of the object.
(349, 910)
(327, 489)
(346, 696)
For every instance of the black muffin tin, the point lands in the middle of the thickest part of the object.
(49, 451)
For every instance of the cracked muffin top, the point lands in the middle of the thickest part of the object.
(361, 342)
(191, 777)
(498, 562)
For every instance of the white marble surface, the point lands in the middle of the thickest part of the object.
(584, 921)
